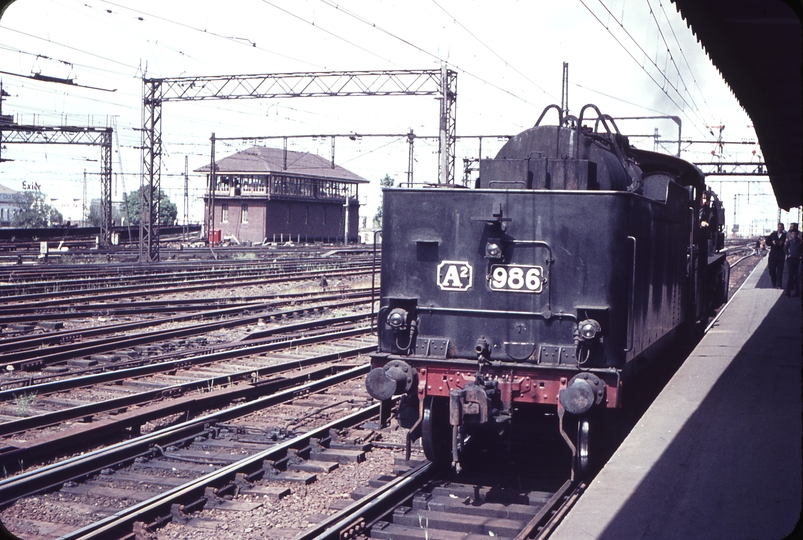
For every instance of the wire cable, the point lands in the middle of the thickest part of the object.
(681, 109)
(669, 52)
(365, 21)
(508, 64)
(683, 54)
(231, 39)
(322, 29)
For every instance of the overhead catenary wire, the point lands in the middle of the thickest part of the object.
(683, 54)
(630, 54)
(365, 21)
(461, 25)
(106, 59)
(671, 56)
(333, 34)
(231, 118)
(231, 39)
(373, 25)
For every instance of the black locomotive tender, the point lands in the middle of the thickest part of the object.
(574, 257)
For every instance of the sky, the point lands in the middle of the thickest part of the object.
(628, 57)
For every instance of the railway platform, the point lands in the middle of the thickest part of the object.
(718, 453)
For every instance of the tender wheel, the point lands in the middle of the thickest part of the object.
(583, 459)
(436, 433)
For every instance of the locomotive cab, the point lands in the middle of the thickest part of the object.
(575, 256)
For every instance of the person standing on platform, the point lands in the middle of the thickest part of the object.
(776, 259)
(794, 251)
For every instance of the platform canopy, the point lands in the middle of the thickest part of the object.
(757, 45)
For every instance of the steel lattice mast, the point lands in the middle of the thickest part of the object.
(441, 83)
(18, 133)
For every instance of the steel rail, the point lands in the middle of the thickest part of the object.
(78, 281)
(743, 258)
(116, 404)
(33, 358)
(273, 257)
(181, 285)
(124, 424)
(13, 275)
(18, 342)
(177, 359)
(22, 255)
(147, 511)
(360, 515)
(553, 512)
(180, 275)
(51, 476)
(33, 312)
(200, 257)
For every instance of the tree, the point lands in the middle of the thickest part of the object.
(387, 181)
(34, 212)
(94, 214)
(132, 207)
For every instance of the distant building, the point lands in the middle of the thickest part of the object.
(9, 205)
(279, 195)
(70, 208)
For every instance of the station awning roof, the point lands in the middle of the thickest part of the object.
(757, 45)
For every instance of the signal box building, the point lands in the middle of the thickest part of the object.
(279, 195)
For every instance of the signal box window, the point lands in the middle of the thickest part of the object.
(225, 213)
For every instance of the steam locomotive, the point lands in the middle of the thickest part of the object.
(574, 256)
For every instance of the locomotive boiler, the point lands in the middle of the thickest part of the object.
(573, 257)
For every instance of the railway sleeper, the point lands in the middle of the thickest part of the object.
(278, 470)
(96, 489)
(301, 461)
(337, 455)
(416, 524)
(180, 513)
(50, 326)
(75, 362)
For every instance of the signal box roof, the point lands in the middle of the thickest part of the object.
(262, 160)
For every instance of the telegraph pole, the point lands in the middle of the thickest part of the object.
(443, 165)
(212, 186)
(564, 90)
(186, 197)
(410, 139)
(84, 213)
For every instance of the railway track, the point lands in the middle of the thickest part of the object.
(204, 484)
(173, 248)
(199, 475)
(26, 353)
(103, 410)
(72, 308)
(235, 486)
(166, 474)
(414, 506)
(52, 291)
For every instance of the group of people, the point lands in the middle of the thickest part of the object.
(785, 250)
